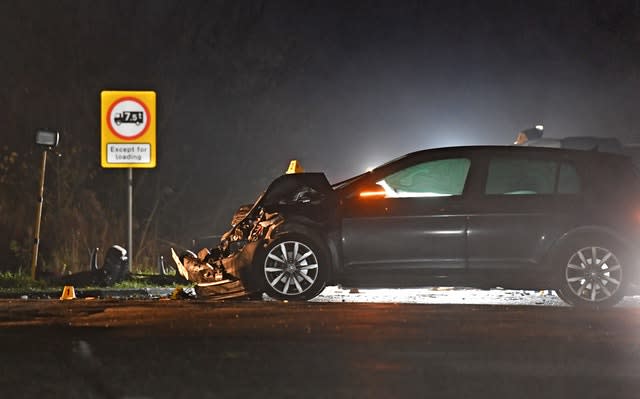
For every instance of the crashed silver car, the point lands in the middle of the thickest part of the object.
(483, 216)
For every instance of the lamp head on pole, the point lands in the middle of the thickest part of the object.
(47, 138)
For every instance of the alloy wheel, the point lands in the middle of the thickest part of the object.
(593, 274)
(291, 268)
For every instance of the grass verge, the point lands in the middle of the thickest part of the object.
(16, 281)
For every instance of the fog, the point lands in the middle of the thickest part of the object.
(244, 87)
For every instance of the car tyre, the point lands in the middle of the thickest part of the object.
(565, 298)
(293, 267)
(592, 273)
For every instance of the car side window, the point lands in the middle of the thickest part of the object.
(568, 179)
(521, 176)
(439, 178)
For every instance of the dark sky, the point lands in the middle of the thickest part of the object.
(243, 87)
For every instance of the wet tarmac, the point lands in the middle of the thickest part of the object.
(268, 349)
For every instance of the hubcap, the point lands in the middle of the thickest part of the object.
(593, 274)
(291, 268)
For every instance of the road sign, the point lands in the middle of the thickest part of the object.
(128, 134)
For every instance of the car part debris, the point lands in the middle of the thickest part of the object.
(93, 262)
(183, 293)
(114, 270)
(213, 279)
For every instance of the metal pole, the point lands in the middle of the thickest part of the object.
(130, 224)
(36, 239)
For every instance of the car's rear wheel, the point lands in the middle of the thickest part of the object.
(294, 267)
(592, 275)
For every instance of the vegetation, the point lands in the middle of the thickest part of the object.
(10, 281)
(20, 281)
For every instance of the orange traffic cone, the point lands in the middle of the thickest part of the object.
(68, 292)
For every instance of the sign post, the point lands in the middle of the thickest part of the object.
(128, 139)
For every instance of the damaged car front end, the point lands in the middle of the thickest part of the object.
(277, 245)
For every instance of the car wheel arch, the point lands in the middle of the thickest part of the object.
(588, 232)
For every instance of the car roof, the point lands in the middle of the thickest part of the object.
(520, 150)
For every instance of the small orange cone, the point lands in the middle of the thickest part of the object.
(68, 292)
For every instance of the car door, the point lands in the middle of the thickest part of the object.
(525, 204)
(408, 217)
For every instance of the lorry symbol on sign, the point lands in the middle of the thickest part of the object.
(136, 117)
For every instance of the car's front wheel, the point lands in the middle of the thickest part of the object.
(592, 275)
(294, 267)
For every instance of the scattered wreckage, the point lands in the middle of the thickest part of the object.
(113, 270)
(274, 232)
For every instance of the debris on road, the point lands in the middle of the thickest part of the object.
(114, 270)
(183, 293)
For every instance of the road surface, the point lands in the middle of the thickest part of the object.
(268, 349)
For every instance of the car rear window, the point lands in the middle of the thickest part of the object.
(509, 176)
